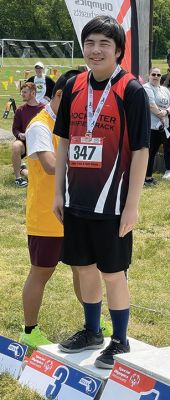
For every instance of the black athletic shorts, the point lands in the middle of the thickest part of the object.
(94, 241)
(44, 251)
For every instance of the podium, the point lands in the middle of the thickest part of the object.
(142, 374)
(84, 361)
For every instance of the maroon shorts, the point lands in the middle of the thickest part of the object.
(44, 251)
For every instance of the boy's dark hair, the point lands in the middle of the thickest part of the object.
(62, 80)
(109, 27)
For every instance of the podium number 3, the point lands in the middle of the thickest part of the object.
(60, 375)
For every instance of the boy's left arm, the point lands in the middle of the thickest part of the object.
(136, 180)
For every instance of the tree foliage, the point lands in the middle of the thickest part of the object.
(161, 28)
(49, 19)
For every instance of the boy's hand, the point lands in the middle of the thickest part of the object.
(58, 208)
(128, 220)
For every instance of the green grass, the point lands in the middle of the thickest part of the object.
(16, 68)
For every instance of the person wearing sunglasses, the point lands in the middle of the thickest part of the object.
(159, 101)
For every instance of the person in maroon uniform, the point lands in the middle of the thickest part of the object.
(103, 124)
(22, 117)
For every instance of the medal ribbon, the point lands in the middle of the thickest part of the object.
(92, 118)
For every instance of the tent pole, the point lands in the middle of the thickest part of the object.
(151, 33)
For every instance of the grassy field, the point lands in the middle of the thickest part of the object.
(61, 314)
(149, 276)
(14, 72)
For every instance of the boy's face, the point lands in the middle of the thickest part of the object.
(100, 55)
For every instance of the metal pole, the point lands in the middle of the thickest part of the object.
(151, 33)
(2, 57)
(72, 55)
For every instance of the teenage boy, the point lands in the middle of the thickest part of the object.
(45, 232)
(103, 124)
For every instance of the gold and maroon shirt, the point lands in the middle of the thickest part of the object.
(123, 125)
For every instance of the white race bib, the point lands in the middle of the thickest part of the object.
(85, 153)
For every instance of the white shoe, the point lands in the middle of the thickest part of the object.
(166, 175)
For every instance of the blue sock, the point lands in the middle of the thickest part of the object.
(92, 316)
(120, 320)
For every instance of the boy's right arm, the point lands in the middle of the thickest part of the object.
(61, 161)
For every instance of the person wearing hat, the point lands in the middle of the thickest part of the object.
(44, 84)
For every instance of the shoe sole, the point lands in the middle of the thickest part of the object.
(92, 347)
(101, 364)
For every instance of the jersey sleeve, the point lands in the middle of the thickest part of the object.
(62, 123)
(138, 115)
(39, 138)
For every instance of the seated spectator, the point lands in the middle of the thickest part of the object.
(22, 117)
(159, 100)
(44, 84)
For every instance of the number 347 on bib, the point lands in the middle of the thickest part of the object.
(85, 153)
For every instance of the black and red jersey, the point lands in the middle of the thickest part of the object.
(123, 124)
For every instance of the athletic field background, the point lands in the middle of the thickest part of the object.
(15, 71)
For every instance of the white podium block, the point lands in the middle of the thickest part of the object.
(11, 356)
(155, 363)
(140, 376)
(85, 359)
(55, 381)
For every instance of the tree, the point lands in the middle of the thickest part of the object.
(161, 28)
(49, 19)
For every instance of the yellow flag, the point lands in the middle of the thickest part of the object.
(5, 85)
(11, 79)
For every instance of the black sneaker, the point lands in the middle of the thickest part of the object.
(106, 360)
(20, 182)
(150, 182)
(82, 340)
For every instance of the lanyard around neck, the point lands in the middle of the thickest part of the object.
(92, 118)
